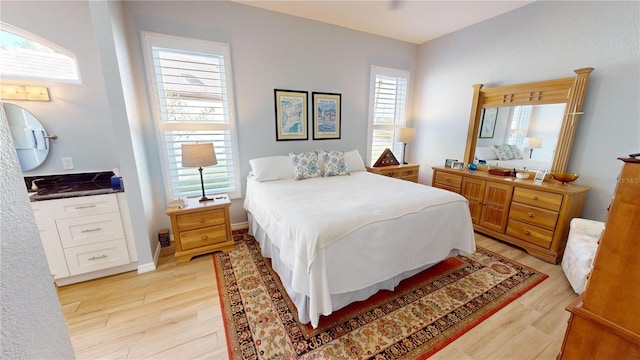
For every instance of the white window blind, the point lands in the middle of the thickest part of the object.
(387, 103)
(191, 91)
(520, 117)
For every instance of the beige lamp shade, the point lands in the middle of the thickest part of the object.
(198, 155)
(406, 135)
(532, 143)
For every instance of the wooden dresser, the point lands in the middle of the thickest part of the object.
(201, 227)
(407, 172)
(532, 216)
(605, 319)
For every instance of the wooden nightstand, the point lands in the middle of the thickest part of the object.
(407, 172)
(201, 227)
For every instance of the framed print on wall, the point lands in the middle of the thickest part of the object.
(291, 115)
(326, 115)
(488, 124)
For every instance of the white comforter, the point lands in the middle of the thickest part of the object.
(303, 218)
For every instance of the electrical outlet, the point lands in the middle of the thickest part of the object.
(67, 163)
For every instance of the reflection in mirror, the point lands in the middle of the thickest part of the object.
(29, 136)
(532, 129)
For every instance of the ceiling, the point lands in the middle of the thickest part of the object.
(415, 21)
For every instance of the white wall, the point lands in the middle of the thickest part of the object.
(544, 40)
(31, 320)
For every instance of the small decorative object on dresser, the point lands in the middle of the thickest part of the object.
(386, 158)
(532, 216)
(201, 227)
(540, 174)
(449, 162)
(458, 165)
(407, 172)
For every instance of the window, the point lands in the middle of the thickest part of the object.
(190, 82)
(520, 116)
(387, 102)
(25, 56)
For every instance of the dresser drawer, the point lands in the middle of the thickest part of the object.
(204, 236)
(529, 233)
(103, 255)
(533, 215)
(449, 181)
(541, 199)
(85, 205)
(200, 219)
(90, 229)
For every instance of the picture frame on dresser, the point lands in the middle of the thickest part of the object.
(457, 165)
(449, 162)
(540, 175)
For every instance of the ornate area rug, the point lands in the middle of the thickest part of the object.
(421, 316)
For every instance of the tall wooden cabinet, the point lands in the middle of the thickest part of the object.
(605, 319)
(532, 216)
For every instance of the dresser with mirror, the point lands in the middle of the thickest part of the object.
(530, 214)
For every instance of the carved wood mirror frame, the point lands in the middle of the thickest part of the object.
(570, 91)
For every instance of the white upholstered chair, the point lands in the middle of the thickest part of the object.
(580, 251)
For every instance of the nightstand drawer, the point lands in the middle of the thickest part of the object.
(200, 219)
(449, 181)
(529, 233)
(545, 200)
(201, 237)
(533, 215)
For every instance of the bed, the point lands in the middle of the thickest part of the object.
(334, 240)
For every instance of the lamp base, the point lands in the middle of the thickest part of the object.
(204, 198)
(403, 154)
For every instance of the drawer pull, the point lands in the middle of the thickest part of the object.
(201, 220)
(91, 230)
(84, 207)
(534, 198)
(531, 215)
(446, 179)
(97, 257)
(204, 237)
(527, 232)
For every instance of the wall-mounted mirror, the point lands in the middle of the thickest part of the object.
(29, 136)
(535, 121)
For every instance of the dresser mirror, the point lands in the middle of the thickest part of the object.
(29, 136)
(539, 118)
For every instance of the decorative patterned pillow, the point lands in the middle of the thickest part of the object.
(517, 154)
(306, 165)
(334, 163)
(504, 152)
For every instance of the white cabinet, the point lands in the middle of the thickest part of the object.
(83, 236)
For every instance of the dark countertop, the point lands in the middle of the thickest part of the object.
(70, 185)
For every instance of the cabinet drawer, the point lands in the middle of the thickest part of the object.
(90, 229)
(85, 205)
(533, 215)
(541, 199)
(449, 181)
(200, 219)
(529, 233)
(103, 255)
(202, 237)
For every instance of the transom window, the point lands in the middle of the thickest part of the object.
(25, 56)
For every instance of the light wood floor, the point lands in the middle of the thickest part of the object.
(174, 313)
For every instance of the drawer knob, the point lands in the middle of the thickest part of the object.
(535, 198)
(530, 214)
(201, 220)
(527, 232)
(204, 237)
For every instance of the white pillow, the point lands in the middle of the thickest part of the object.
(354, 161)
(272, 168)
(486, 153)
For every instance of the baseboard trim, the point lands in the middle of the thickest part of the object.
(143, 268)
(240, 226)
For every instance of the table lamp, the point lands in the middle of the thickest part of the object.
(532, 143)
(405, 135)
(199, 155)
